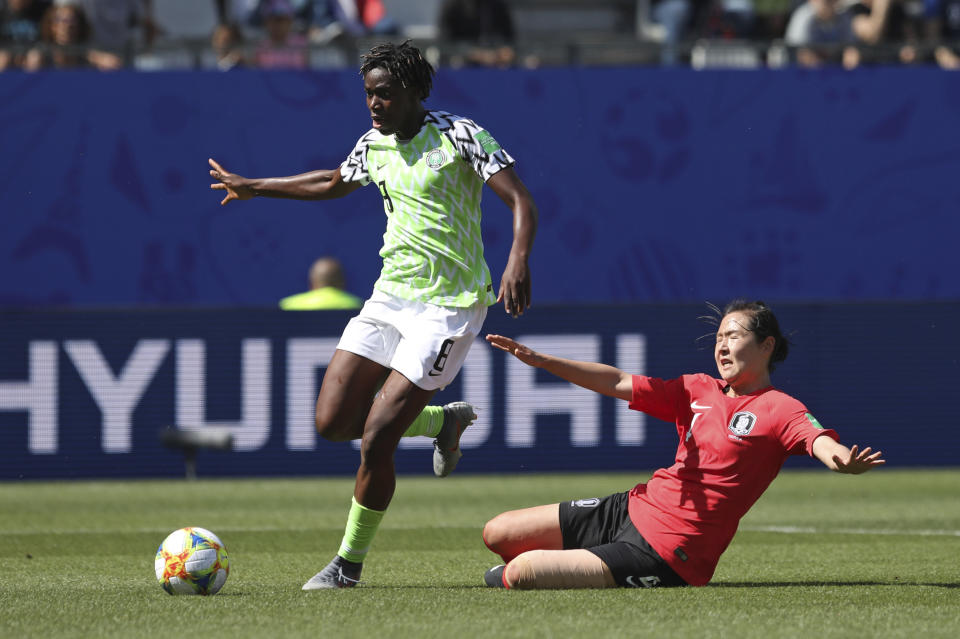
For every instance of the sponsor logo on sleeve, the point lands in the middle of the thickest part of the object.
(487, 143)
(813, 421)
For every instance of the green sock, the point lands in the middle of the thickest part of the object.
(428, 423)
(362, 526)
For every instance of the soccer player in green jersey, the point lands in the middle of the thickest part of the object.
(411, 337)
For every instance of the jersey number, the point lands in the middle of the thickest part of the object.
(382, 185)
(441, 360)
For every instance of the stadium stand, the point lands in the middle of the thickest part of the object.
(739, 34)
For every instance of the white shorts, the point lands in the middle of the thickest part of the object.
(425, 343)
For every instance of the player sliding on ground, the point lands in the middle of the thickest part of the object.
(411, 337)
(735, 433)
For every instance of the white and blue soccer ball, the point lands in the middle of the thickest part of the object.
(192, 561)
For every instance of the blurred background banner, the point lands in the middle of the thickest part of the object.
(654, 185)
(86, 394)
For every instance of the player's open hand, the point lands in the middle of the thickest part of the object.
(233, 184)
(859, 461)
(515, 348)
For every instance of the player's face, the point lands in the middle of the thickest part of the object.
(741, 359)
(393, 107)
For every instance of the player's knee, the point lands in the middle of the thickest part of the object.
(495, 533)
(329, 426)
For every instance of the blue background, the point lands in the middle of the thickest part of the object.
(653, 184)
(883, 375)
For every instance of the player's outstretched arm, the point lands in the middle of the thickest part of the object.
(600, 378)
(841, 459)
(315, 185)
(515, 289)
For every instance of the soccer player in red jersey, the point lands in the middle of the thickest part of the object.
(735, 433)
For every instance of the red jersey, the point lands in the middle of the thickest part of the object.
(730, 450)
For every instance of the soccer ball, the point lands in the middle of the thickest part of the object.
(192, 561)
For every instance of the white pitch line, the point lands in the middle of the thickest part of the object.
(786, 530)
(224, 529)
(812, 530)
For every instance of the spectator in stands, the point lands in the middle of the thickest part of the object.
(252, 13)
(770, 18)
(65, 42)
(486, 26)
(327, 289)
(869, 20)
(797, 32)
(823, 34)
(878, 25)
(727, 19)
(934, 25)
(946, 25)
(19, 30)
(283, 47)
(116, 24)
(673, 16)
(327, 20)
(227, 44)
(361, 17)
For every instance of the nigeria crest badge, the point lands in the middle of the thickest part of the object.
(436, 158)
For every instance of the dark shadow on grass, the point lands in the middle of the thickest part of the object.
(787, 584)
(740, 584)
(445, 587)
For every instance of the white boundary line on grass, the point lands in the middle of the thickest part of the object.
(811, 530)
(786, 530)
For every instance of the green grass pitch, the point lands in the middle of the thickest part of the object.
(820, 555)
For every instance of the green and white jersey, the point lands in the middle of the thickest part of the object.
(431, 187)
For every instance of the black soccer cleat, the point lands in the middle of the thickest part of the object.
(494, 577)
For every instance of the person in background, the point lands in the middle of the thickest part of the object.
(284, 47)
(484, 26)
(875, 22)
(121, 26)
(822, 32)
(227, 44)
(327, 289)
(361, 17)
(673, 16)
(735, 432)
(19, 30)
(65, 42)
(415, 331)
(938, 31)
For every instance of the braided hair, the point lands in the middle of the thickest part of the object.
(404, 62)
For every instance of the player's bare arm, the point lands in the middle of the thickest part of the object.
(841, 459)
(600, 378)
(515, 288)
(314, 185)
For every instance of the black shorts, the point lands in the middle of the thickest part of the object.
(603, 527)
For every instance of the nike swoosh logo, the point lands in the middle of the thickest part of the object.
(695, 405)
(380, 166)
(433, 374)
